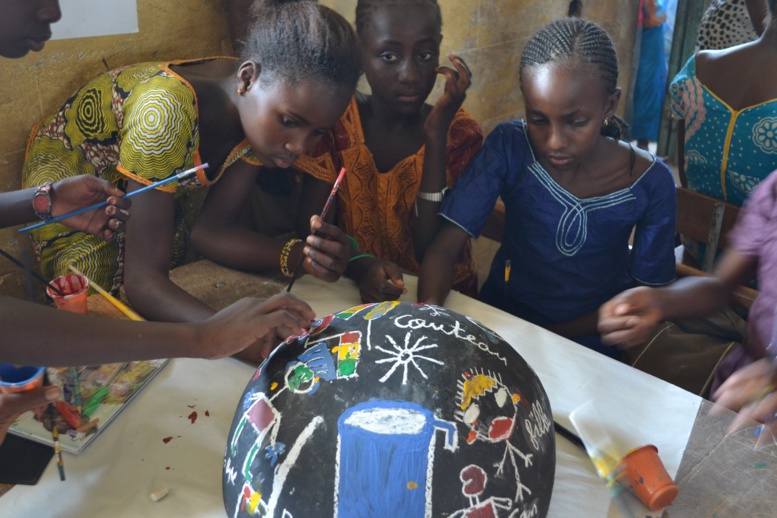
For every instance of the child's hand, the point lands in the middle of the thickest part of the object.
(382, 281)
(629, 319)
(14, 405)
(456, 84)
(327, 252)
(751, 391)
(81, 191)
(254, 326)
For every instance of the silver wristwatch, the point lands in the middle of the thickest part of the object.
(432, 196)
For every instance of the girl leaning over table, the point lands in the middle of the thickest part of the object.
(73, 339)
(573, 193)
(142, 123)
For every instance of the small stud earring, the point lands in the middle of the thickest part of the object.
(605, 123)
(239, 91)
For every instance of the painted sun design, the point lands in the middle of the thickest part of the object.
(406, 355)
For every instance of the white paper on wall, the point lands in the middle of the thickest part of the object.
(84, 18)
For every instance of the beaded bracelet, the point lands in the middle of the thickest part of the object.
(285, 252)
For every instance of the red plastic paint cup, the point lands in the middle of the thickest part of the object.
(19, 378)
(642, 471)
(75, 288)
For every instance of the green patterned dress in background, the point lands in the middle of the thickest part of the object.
(139, 123)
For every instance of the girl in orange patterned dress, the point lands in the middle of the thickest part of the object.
(401, 154)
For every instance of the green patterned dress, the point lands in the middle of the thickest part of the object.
(139, 123)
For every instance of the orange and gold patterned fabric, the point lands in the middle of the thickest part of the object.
(376, 208)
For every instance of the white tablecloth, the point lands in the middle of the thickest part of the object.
(115, 476)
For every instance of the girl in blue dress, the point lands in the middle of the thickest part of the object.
(573, 194)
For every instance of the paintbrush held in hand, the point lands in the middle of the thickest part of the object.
(324, 212)
(179, 176)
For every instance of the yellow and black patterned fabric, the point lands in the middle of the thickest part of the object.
(139, 123)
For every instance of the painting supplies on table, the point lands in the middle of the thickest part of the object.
(110, 298)
(29, 270)
(20, 378)
(105, 391)
(57, 445)
(15, 379)
(324, 212)
(76, 388)
(99, 395)
(179, 176)
(568, 434)
(640, 469)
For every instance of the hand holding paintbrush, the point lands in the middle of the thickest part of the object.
(325, 262)
(175, 177)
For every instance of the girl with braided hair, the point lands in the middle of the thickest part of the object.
(573, 193)
(401, 154)
(143, 123)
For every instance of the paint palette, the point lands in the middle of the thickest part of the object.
(392, 409)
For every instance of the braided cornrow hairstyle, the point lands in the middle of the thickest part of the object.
(297, 40)
(573, 39)
(366, 8)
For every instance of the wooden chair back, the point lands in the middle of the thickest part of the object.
(707, 220)
(704, 219)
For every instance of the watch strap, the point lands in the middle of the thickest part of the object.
(432, 196)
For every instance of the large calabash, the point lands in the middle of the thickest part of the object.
(392, 410)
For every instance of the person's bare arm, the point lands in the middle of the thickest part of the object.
(219, 237)
(435, 277)
(148, 253)
(74, 339)
(629, 318)
(584, 325)
(758, 11)
(434, 175)
(249, 325)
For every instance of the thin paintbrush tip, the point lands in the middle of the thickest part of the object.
(340, 176)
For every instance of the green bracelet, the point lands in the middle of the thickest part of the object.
(354, 244)
(360, 256)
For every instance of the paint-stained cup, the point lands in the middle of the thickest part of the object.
(19, 378)
(75, 289)
(642, 471)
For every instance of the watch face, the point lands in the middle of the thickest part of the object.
(41, 201)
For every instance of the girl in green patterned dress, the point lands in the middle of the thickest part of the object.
(142, 123)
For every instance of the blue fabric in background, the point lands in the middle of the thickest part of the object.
(650, 87)
(568, 255)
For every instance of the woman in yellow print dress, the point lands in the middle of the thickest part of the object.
(140, 124)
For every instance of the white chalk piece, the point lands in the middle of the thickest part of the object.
(159, 493)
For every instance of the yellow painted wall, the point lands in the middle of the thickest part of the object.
(489, 34)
